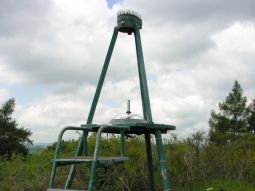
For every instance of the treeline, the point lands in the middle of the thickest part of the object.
(12, 138)
(234, 119)
(221, 160)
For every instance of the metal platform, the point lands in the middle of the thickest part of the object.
(130, 128)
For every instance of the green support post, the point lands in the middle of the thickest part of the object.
(85, 143)
(94, 103)
(149, 161)
(145, 104)
(142, 76)
(162, 162)
(94, 163)
(54, 164)
(122, 144)
(102, 76)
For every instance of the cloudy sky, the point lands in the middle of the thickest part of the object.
(52, 51)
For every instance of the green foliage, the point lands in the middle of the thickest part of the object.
(28, 173)
(12, 138)
(251, 117)
(232, 117)
(197, 141)
(233, 164)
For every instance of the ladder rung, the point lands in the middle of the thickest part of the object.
(89, 159)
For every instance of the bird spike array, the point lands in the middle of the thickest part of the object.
(129, 12)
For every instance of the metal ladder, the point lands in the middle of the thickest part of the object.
(94, 160)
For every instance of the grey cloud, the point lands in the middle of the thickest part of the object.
(31, 24)
(169, 50)
(43, 48)
(22, 17)
(196, 10)
(67, 54)
(178, 31)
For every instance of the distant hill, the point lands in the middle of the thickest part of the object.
(38, 147)
(43, 145)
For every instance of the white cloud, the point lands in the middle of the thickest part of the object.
(3, 94)
(193, 52)
(46, 116)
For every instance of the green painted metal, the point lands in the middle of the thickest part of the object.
(162, 162)
(145, 104)
(149, 161)
(94, 102)
(142, 77)
(57, 150)
(110, 128)
(94, 163)
(102, 76)
(127, 22)
(102, 161)
(85, 144)
(122, 144)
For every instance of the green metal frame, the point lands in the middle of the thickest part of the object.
(85, 129)
(128, 24)
(94, 104)
(93, 168)
(57, 151)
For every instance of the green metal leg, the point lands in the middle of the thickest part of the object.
(54, 164)
(94, 103)
(72, 171)
(146, 104)
(85, 144)
(162, 161)
(94, 163)
(53, 174)
(142, 77)
(81, 146)
(122, 144)
(102, 76)
(149, 161)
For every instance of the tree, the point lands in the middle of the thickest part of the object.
(251, 118)
(197, 141)
(231, 118)
(12, 138)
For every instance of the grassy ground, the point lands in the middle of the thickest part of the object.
(31, 173)
(227, 185)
